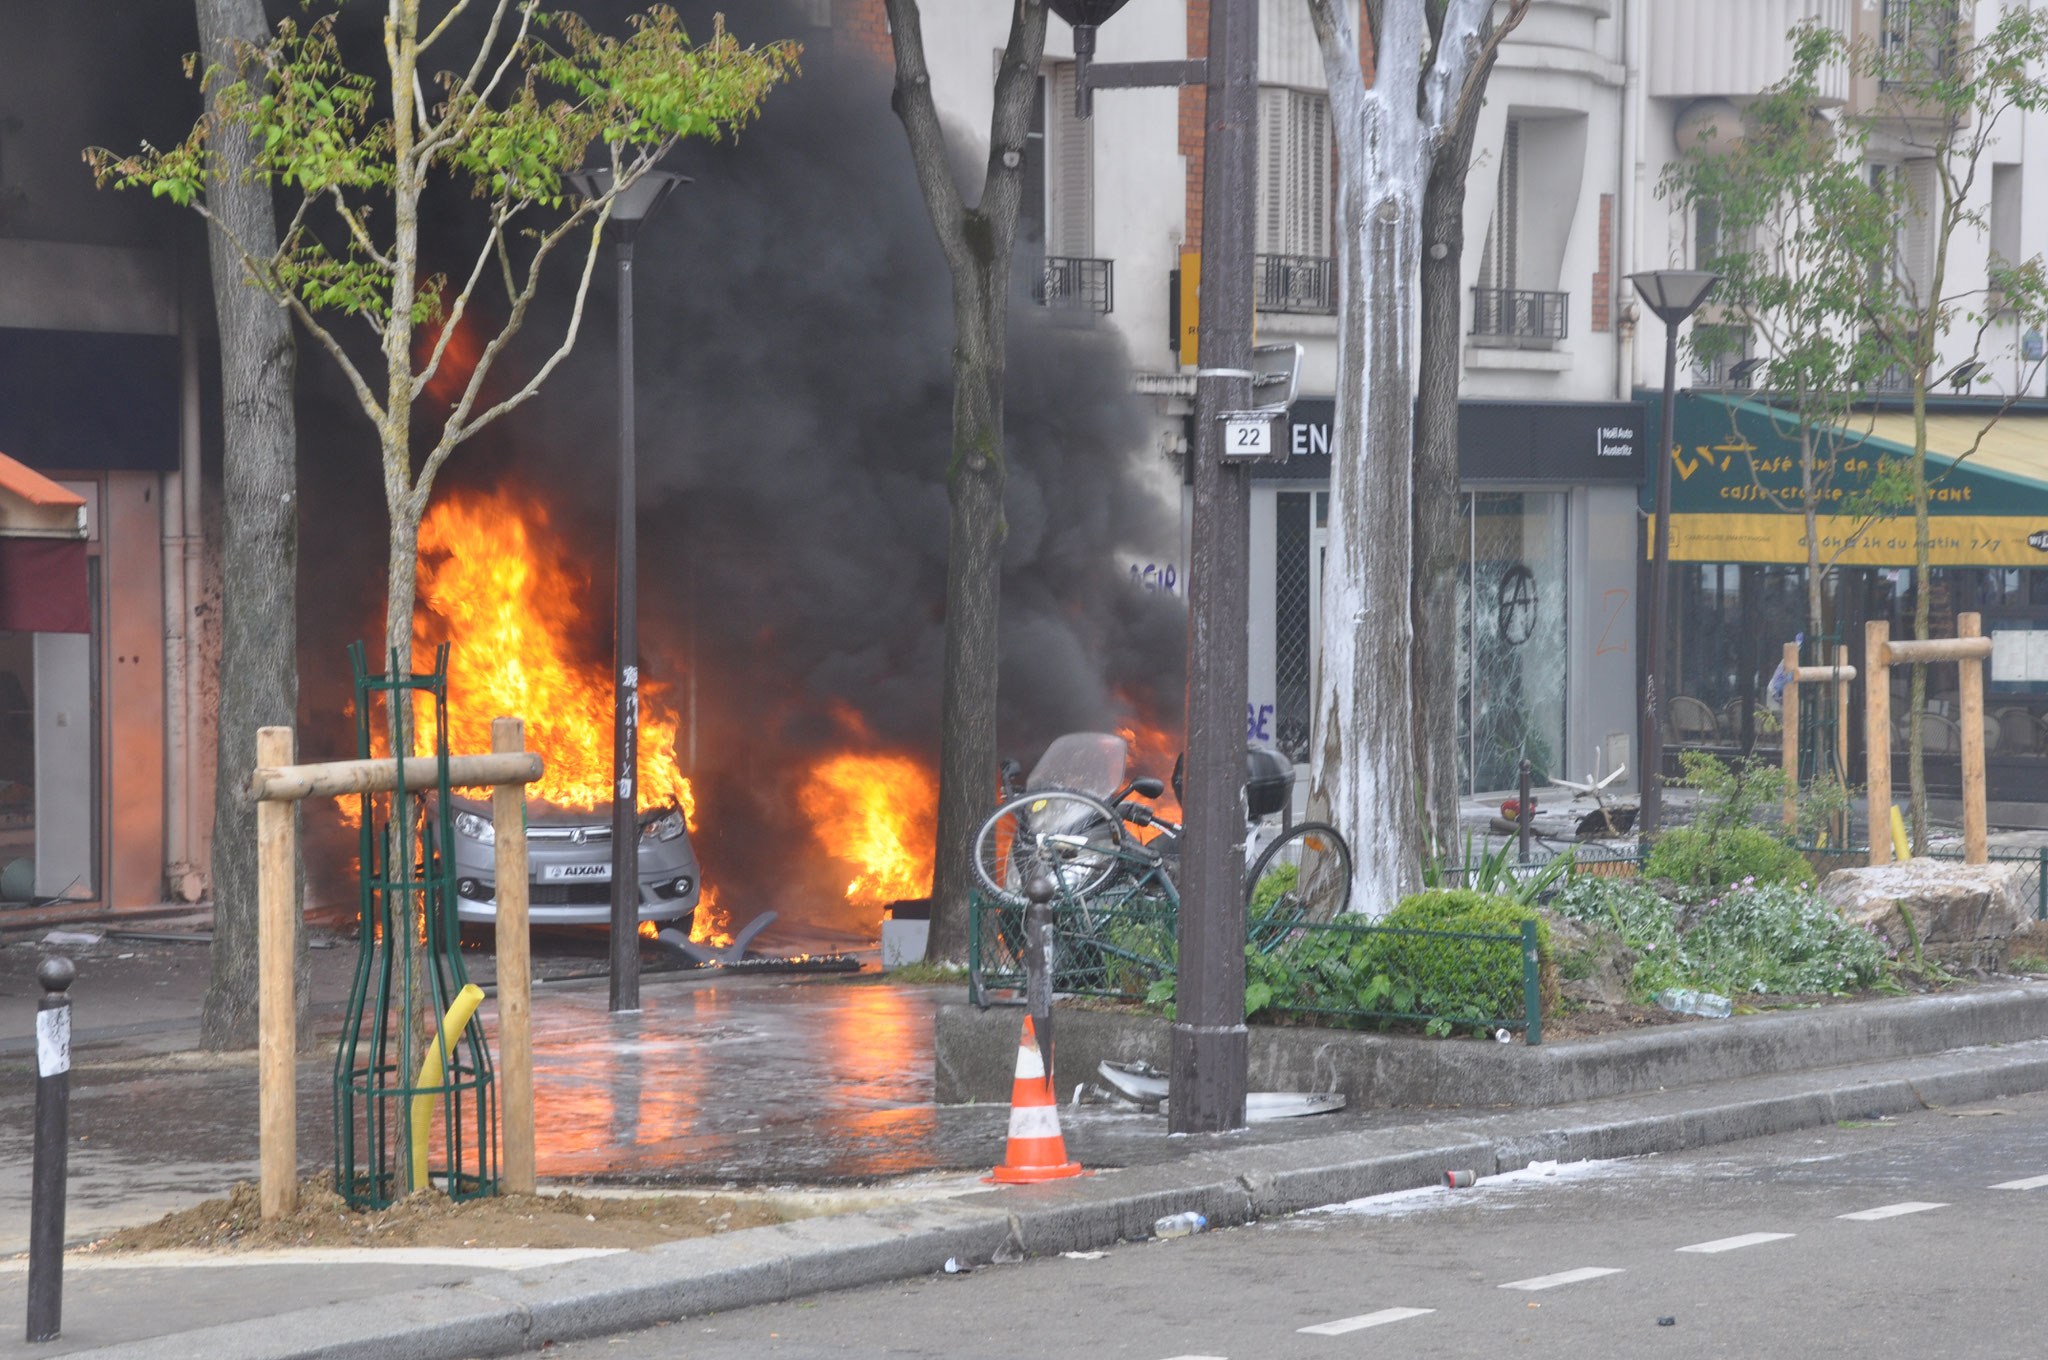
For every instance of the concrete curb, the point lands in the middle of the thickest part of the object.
(503, 1314)
(974, 1051)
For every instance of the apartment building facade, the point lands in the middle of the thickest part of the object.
(1589, 103)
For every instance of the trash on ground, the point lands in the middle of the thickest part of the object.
(1686, 1001)
(1460, 1180)
(1180, 1225)
(707, 954)
(1139, 1081)
(956, 1266)
(73, 937)
(1084, 1255)
(1667, 1322)
(1260, 1105)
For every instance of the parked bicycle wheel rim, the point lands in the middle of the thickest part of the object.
(1076, 838)
(1306, 873)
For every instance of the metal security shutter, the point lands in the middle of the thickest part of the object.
(1294, 172)
(1070, 172)
(1916, 244)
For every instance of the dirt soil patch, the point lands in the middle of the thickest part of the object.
(430, 1219)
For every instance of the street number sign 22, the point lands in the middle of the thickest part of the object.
(1247, 438)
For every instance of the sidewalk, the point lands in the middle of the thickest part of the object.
(436, 1306)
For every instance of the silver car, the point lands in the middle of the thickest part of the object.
(569, 866)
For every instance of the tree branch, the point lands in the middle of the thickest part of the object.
(1482, 65)
(912, 100)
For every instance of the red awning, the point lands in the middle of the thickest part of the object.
(42, 586)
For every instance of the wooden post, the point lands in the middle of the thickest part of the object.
(1842, 680)
(277, 907)
(1877, 735)
(515, 1007)
(1788, 709)
(1970, 675)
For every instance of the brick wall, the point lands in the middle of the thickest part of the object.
(1194, 107)
(862, 26)
(1603, 277)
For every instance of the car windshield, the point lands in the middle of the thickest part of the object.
(1086, 762)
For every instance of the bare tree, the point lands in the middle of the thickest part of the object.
(1440, 539)
(259, 678)
(1389, 134)
(977, 242)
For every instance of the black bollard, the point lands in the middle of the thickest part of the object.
(1039, 937)
(52, 1152)
(1525, 812)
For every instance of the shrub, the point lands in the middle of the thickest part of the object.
(1712, 859)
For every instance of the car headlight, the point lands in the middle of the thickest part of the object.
(666, 827)
(475, 828)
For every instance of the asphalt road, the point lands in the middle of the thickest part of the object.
(1903, 1237)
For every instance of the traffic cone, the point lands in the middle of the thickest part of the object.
(1036, 1151)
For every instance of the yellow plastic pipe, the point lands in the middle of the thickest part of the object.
(1902, 849)
(452, 1025)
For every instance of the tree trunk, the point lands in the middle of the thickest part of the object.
(977, 242)
(1923, 593)
(1440, 539)
(1363, 772)
(967, 722)
(259, 678)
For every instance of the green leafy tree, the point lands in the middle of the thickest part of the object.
(354, 154)
(1945, 94)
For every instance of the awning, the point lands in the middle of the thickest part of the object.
(1736, 487)
(42, 554)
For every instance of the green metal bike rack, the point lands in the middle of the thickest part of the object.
(408, 974)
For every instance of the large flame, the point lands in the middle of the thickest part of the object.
(712, 924)
(496, 583)
(878, 813)
(1153, 751)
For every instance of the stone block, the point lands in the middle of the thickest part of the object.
(1951, 903)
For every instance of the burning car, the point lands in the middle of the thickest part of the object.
(569, 865)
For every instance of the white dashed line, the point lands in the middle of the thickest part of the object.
(1360, 1323)
(1911, 1206)
(1197, 1357)
(1563, 1277)
(1734, 1243)
(2030, 1183)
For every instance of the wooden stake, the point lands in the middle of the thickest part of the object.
(515, 1006)
(1788, 709)
(1971, 678)
(1877, 734)
(1844, 674)
(277, 906)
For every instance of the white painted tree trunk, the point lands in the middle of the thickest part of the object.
(1363, 757)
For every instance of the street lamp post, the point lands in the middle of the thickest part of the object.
(632, 207)
(1209, 1043)
(1674, 295)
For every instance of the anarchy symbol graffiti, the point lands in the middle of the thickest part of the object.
(1517, 605)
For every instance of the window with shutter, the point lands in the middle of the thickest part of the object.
(1503, 235)
(1070, 171)
(1294, 172)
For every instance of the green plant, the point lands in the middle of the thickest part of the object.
(1699, 859)
(1494, 873)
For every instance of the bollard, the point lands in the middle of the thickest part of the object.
(52, 1153)
(1038, 959)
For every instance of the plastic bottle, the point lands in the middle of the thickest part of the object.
(1686, 1001)
(1180, 1225)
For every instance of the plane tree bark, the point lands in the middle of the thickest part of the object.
(977, 242)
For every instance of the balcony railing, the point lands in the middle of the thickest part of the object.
(1073, 283)
(1304, 284)
(1517, 313)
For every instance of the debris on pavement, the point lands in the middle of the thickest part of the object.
(1460, 1180)
(1147, 1085)
(72, 937)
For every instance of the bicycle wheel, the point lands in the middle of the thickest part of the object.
(1305, 875)
(1078, 839)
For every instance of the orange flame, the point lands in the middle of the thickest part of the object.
(878, 813)
(711, 925)
(458, 361)
(649, 930)
(1153, 751)
(497, 584)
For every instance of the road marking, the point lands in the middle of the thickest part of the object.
(1563, 1277)
(1360, 1323)
(1733, 1243)
(1197, 1357)
(2030, 1183)
(1911, 1206)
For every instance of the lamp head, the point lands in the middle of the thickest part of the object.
(1088, 12)
(640, 198)
(1674, 294)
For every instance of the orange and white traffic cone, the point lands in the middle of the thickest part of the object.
(1036, 1152)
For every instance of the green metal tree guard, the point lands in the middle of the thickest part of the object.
(409, 974)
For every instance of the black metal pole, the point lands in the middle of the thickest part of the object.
(625, 970)
(1525, 813)
(52, 1151)
(1209, 1042)
(1655, 681)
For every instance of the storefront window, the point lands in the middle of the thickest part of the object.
(1511, 637)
